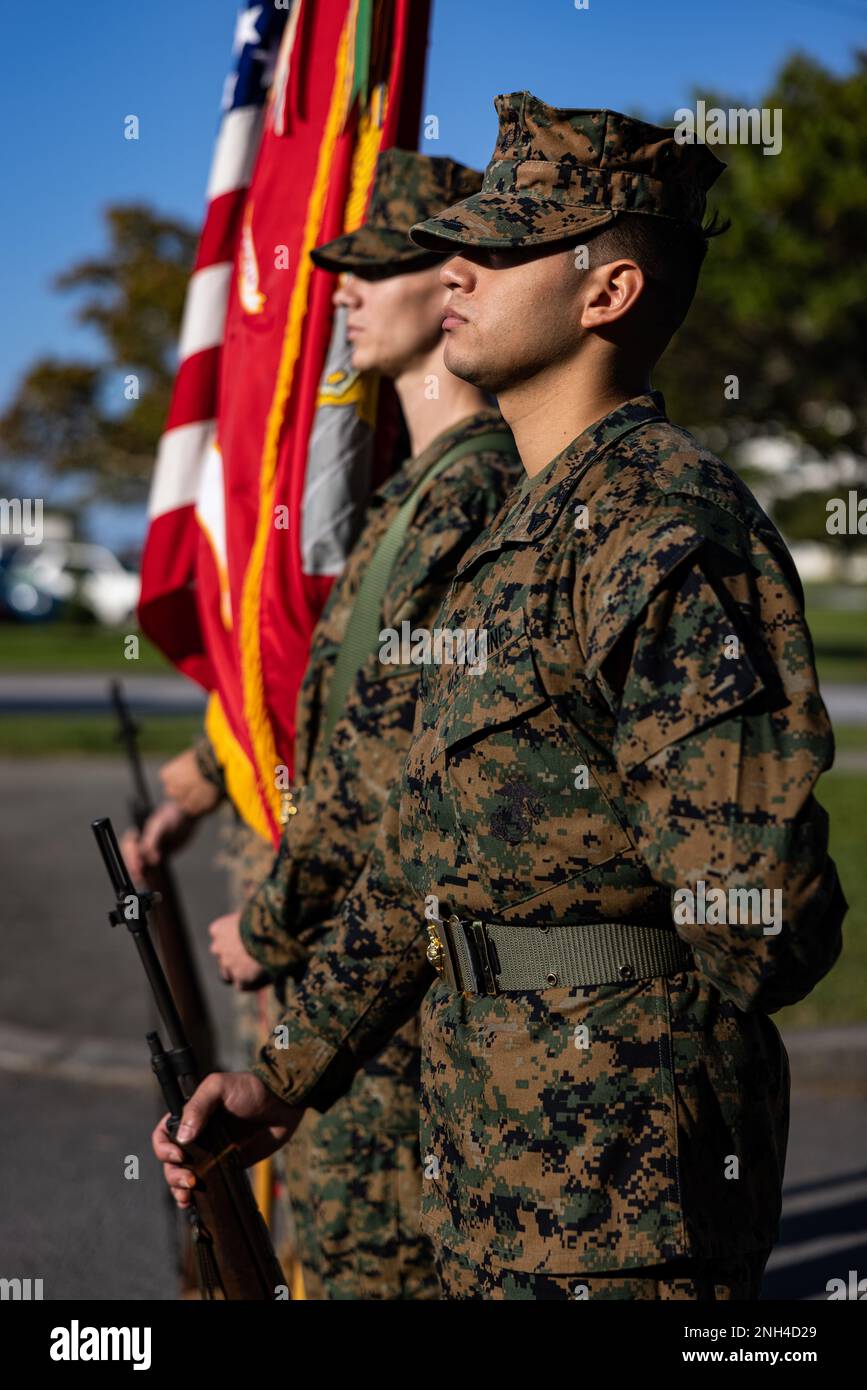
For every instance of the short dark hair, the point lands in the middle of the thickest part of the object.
(670, 254)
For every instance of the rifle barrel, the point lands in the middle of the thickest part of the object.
(128, 731)
(129, 902)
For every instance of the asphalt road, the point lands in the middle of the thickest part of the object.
(78, 1103)
(85, 692)
(76, 1094)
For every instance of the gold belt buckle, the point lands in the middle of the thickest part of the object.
(439, 951)
(436, 951)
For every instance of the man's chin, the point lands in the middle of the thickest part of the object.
(480, 374)
(460, 364)
(367, 360)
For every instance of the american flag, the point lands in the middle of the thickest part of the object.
(228, 594)
(191, 423)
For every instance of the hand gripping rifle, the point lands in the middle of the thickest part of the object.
(173, 937)
(235, 1259)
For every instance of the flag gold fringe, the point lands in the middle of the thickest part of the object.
(255, 710)
(263, 1189)
(238, 771)
(364, 159)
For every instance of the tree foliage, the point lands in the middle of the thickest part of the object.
(82, 418)
(781, 301)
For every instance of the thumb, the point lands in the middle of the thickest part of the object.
(150, 843)
(200, 1107)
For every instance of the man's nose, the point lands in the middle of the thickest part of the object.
(346, 294)
(458, 273)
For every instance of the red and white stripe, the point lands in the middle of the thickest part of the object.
(191, 423)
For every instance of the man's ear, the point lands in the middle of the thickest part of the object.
(610, 292)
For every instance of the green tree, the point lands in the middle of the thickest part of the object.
(781, 301)
(74, 417)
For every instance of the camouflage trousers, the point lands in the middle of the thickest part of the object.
(696, 1281)
(354, 1184)
(348, 1184)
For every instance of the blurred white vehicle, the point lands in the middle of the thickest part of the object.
(38, 579)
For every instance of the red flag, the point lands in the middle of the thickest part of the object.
(224, 589)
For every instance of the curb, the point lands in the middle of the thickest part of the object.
(95, 1061)
(828, 1054)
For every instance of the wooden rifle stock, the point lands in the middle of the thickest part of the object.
(235, 1258)
(173, 941)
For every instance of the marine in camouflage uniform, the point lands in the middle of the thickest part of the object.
(246, 858)
(354, 1174)
(604, 1095)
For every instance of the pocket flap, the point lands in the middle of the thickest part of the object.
(499, 689)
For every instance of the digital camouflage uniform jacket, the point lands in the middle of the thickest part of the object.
(338, 805)
(611, 591)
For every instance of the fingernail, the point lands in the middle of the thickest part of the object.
(184, 1132)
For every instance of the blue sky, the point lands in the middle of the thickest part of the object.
(77, 70)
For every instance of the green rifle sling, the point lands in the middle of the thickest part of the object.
(362, 632)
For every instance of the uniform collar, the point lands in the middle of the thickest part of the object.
(533, 513)
(482, 422)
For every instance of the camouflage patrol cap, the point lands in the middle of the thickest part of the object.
(556, 174)
(407, 188)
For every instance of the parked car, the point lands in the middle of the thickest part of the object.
(39, 582)
(20, 598)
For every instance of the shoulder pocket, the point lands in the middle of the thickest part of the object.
(689, 668)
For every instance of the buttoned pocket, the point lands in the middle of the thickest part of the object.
(529, 807)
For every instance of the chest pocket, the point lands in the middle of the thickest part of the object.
(529, 808)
